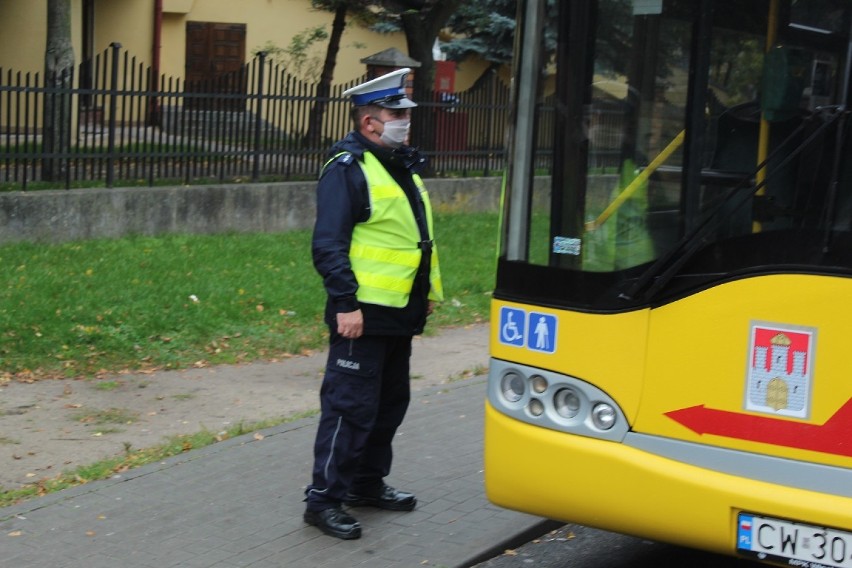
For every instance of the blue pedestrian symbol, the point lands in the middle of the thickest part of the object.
(512, 322)
(542, 336)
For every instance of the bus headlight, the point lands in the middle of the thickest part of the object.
(536, 407)
(539, 383)
(567, 403)
(603, 416)
(512, 386)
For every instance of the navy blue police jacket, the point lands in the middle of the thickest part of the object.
(342, 202)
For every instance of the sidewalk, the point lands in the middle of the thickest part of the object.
(239, 502)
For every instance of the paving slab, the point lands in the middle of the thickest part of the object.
(239, 502)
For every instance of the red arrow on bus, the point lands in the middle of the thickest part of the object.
(833, 437)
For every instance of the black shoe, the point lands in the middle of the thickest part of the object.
(388, 498)
(335, 522)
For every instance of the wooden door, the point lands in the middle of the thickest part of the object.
(215, 63)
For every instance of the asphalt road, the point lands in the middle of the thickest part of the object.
(575, 546)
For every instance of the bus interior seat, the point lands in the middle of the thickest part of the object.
(734, 152)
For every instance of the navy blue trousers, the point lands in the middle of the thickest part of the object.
(363, 399)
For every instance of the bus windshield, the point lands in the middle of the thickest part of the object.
(673, 167)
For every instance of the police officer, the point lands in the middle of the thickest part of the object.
(373, 246)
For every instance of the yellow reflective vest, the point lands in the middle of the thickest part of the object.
(385, 251)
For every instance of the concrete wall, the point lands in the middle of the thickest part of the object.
(77, 214)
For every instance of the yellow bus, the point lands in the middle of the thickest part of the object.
(671, 344)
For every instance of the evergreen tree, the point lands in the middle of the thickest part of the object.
(485, 28)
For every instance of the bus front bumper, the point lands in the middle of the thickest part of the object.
(616, 487)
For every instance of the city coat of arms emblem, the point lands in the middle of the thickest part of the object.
(780, 369)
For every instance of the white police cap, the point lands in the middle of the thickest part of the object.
(387, 91)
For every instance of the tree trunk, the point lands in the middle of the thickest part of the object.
(421, 30)
(58, 78)
(313, 137)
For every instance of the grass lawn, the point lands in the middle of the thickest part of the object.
(90, 308)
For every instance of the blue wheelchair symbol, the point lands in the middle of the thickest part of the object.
(542, 332)
(512, 323)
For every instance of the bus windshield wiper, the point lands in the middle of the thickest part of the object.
(669, 264)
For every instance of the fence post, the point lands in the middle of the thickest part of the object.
(261, 61)
(489, 122)
(113, 102)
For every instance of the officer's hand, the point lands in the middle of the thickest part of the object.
(351, 324)
(430, 308)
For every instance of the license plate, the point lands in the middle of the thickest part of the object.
(794, 544)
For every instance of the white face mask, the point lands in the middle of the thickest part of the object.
(395, 132)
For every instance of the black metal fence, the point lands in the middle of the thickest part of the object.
(113, 121)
